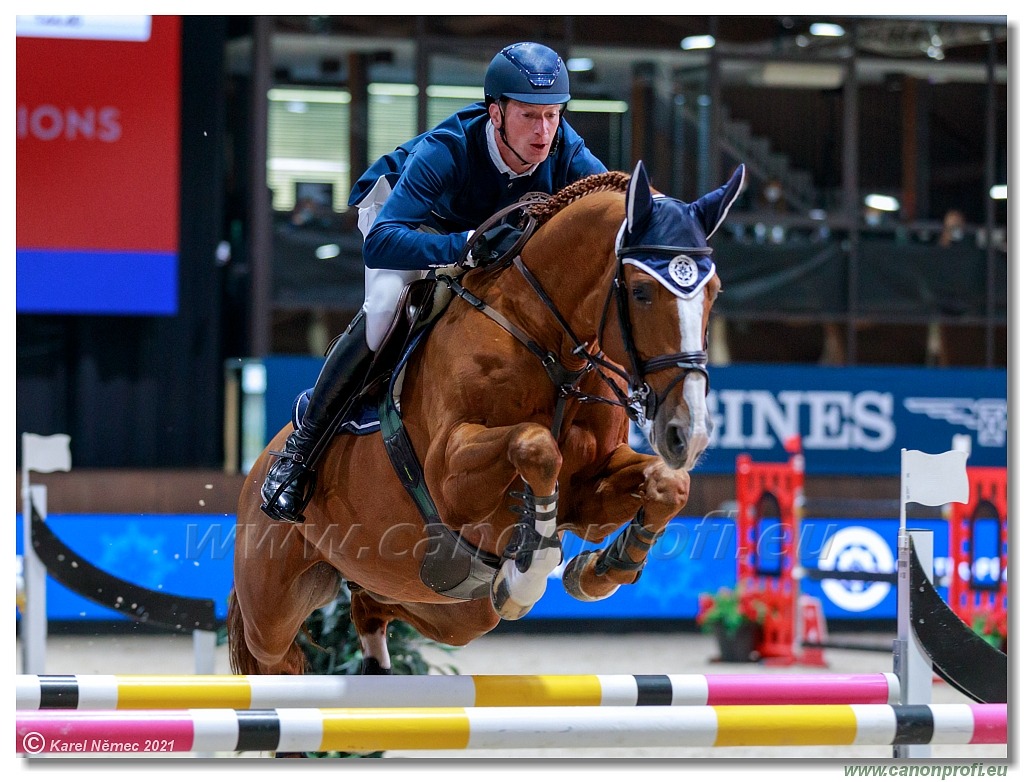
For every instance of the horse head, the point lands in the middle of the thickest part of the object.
(666, 286)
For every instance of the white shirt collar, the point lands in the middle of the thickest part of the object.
(499, 163)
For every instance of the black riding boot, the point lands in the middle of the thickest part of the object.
(290, 481)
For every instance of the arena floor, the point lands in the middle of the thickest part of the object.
(529, 653)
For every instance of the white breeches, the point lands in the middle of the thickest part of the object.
(383, 289)
(383, 286)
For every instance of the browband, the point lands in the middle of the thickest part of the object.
(621, 252)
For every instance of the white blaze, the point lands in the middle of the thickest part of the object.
(691, 328)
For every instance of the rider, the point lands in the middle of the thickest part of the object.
(418, 207)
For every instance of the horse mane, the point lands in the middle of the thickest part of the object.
(547, 208)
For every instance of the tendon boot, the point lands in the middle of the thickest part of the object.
(291, 480)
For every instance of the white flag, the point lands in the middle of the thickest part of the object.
(934, 479)
(46, 454)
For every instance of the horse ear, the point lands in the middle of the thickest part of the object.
(712, 208)
(639, 201)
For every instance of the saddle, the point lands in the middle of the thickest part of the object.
(420, 305)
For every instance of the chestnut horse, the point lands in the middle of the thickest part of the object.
(517, 405)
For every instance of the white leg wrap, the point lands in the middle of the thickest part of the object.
(516, 592)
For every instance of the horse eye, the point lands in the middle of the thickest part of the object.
(643, 293)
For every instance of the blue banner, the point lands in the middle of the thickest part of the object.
(699, 555)
(185, 555)
(193, 556)
(97, 282)
(287, 377)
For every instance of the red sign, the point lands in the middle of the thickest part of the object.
(98, 140)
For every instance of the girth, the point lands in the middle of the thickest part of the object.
(451, 566)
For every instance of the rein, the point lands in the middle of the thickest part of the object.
(564, 379)
(527, 221)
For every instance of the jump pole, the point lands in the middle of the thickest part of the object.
(98, 691)
(368, 730)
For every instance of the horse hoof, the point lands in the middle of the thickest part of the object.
(504, 605)
(574, 572)
(372, 667)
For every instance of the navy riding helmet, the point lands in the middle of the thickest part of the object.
(529, 73)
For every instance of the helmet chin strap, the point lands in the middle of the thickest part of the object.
(504, 138)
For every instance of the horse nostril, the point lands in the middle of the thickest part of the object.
(676, 439)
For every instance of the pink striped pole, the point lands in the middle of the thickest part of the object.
(989, 723)
(56, 732)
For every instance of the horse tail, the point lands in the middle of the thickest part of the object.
(239, 656)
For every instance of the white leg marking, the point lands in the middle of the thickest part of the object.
(375, 645)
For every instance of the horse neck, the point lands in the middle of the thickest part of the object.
(572, 256)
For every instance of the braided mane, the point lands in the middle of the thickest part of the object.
(549, 207)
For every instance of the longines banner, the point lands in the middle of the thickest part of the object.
(98, 103)
(852, 421)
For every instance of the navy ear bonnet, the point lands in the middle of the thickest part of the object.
(671, 248)
(668, 238)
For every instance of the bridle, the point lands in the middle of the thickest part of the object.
(640, 402)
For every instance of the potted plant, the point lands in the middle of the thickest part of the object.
(991, 625)
(735, 616)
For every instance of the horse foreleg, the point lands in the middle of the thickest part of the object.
(477, 459)
(634, 486)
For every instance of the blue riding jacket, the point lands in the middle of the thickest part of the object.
(445, 180)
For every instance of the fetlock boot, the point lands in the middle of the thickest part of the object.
(291, 480)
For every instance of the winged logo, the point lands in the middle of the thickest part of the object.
(986, 416)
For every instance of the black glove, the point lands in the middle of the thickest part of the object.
(493, 244)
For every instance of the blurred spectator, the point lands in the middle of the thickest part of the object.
(310, 212)
(953, 224)
(772, 198)
(952, 228)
